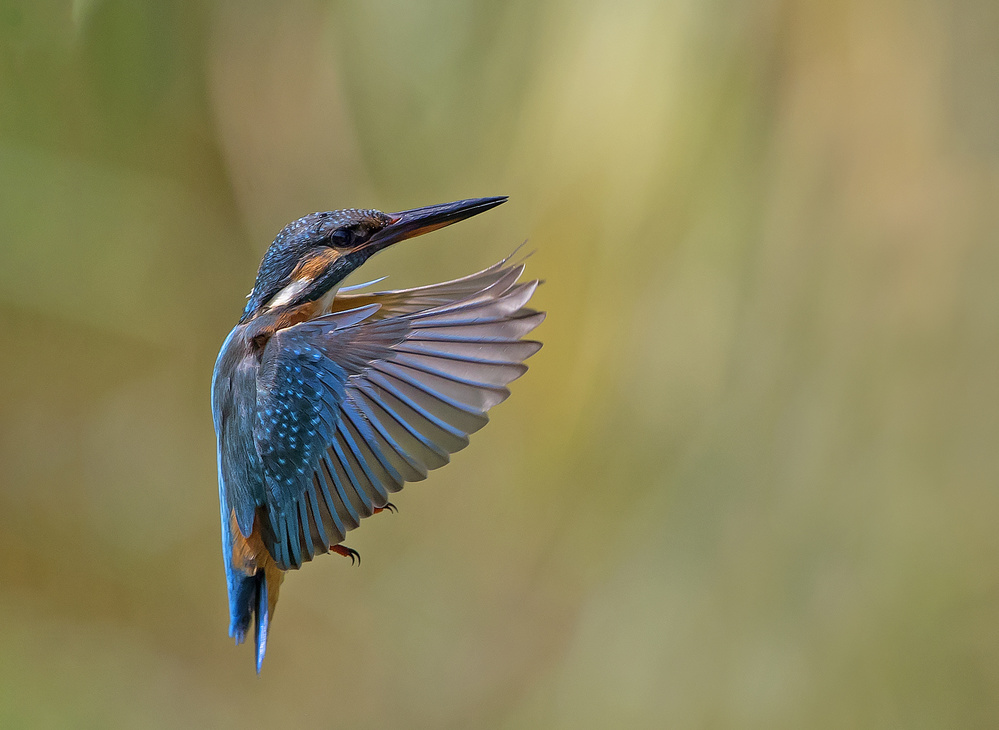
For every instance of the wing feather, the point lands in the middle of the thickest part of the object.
(341, 502)
(377, 392)
(379, 462)
(407, 301)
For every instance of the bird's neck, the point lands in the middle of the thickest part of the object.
(262, 327)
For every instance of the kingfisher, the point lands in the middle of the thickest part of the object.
(327, 399)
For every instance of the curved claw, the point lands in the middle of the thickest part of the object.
(347, 553)
(388, 506)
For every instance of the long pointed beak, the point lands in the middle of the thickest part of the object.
(416, 222)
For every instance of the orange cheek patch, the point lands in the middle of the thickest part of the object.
(315, 265)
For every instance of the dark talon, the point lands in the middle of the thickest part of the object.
(347, 553)
(388, 506)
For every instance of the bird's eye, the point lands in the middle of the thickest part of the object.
(341, 238)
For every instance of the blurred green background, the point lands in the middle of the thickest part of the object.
(750, 482)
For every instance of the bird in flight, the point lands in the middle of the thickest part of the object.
(326, 399)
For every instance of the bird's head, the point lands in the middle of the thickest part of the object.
(315, 253)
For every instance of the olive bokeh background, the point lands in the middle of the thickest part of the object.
(751, 481)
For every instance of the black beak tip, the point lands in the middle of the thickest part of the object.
(460, 209)
(420, 220)
(463, 209)
(493, 201)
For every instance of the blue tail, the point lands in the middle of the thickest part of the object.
(248, 602)
(263, 619)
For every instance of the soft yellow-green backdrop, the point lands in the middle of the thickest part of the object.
(752, 481)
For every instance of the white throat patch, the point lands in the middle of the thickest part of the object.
(288, 293)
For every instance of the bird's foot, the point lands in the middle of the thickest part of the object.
(388, 506)
(346, 552)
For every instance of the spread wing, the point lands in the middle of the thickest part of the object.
(408, 301)
(355, 403)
